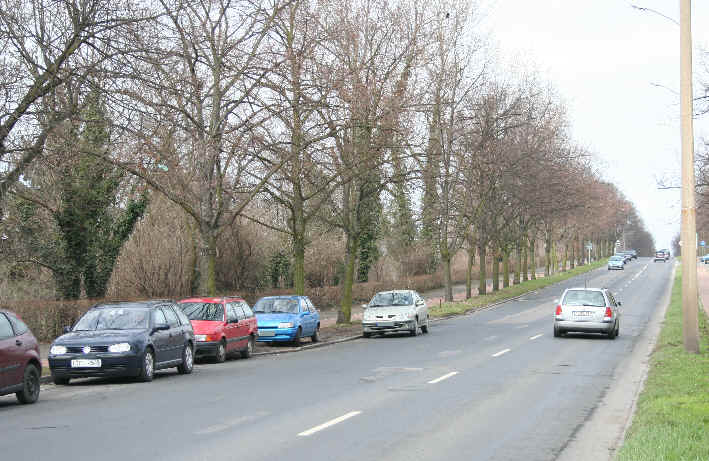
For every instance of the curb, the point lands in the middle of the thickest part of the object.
(307, 346)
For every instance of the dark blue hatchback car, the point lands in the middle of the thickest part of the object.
(124, 339)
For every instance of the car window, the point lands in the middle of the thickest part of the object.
(5, 328)
(267, 305)
(232, 316)
(114, 318)
(171, 317)
(391, 298)
(20, 327)
(239, 311)
(159, 317)
(203, 311)
(181, 315)
(247, 310)
(611, 298)
(584, 298)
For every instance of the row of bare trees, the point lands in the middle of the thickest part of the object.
(306, 117)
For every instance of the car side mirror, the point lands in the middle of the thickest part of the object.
(161, 327)
(66, 330)
(419, 303)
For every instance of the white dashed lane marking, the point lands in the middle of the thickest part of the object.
(446, 376)
(532, 338)
(504, 351)
(332, 422)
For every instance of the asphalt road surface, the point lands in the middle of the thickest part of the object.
(494, 385)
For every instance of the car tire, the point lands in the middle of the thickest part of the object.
(415, 331)
(246, 353)
(296, 338)
(316, 336)
(557, 333)
(612, 334)
(147, 368)
(424, 328)
(30, 385)
(187, 365)
(220, 356)
(366, 334)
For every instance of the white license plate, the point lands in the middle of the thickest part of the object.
(86, 363)
(266, 333)
(582, 313)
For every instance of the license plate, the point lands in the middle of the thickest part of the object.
(266, 333)
(582, 313)
(86, 363)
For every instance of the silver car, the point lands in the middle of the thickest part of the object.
(395, 311)
(587, 310)
(616, 262)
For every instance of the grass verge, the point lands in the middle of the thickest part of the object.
(672, 417)
(477, 302)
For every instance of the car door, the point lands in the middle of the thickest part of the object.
(420, 308)
(8, 354)
(243, 330)
(175, 336)
(306, 318)
(161, 338)
(231, 329)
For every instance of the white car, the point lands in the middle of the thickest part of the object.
(395, 311)
(587, 310)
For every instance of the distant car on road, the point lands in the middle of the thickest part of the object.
(221, 326)
(124, 339)
(287, 319)
(20, 366)
(704, 259)
(616, 262)
(659, 256)
(587, 310)
(634, 253)
(395, 311)
(625, 255)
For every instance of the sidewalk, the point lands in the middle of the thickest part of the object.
(703, 285)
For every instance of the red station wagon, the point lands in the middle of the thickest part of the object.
(20, 367)
(222, 326)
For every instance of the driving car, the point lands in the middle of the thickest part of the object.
(222, 326)
(587, 310)
(634, 254)
(124, 339)
(287, 319)
(395, 311)
(20, 366)
(616, 262)
(659, 256)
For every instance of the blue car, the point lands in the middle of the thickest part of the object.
(286, 319)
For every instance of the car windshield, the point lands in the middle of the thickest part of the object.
(584, 298)
(391, 298)
(616, 258)
(268, 305)
(117, 318)
(203, 311)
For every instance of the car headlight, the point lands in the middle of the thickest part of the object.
(200, 337)
(120, 347)
(57, 350)
(285, 325)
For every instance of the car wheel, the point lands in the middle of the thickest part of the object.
(316, 336)
(30, 385)
(366, 334)
(147, 370)
(221, 352)
(246, 353)
(415, 331)
(612, 334)
(296, 338)
(187, 364)
(424, 328)
(557, 333)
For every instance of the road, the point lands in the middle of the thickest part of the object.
(494, 385)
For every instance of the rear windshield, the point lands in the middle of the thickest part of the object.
(267, 305)
(584, 298)
(117, 318)
(203, 311)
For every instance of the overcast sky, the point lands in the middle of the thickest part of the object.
(605, 58)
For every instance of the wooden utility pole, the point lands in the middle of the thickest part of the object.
(690, 328)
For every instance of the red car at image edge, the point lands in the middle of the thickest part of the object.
(222, 326)
(20, 366)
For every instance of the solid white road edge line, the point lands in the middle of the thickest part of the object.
(332, 422)
(536, 336)
(446, 376)
(501, 352)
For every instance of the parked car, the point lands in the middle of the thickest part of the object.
(124, 339)
(704, 259)
(634, 254)
(395, 311)
(659, 256)
(287, 319)
(616, 262)
(222, 326)
(20, 366)
(587, 310)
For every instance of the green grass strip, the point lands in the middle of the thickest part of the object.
(477, 302)
(672, 417)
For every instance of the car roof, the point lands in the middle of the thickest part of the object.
(133, 304)
(284, 297)
(585, 289)
(211, 299)
(395, 291)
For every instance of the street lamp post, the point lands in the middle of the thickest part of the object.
(690, 296)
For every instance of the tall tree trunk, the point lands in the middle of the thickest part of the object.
(207, 260)
(573, 256)
(533, 257)
(345, 313)
(564, 264)
(525, 263)
(299, 264)
(506, 270)
(518, 264)
(469, 273)
(482, 283)
(547, 257)
(447, 279)
(496, 270)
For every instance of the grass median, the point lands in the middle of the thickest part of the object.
(672, 417)
(478, 302)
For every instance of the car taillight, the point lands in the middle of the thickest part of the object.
(558, 309)
(609, 313)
